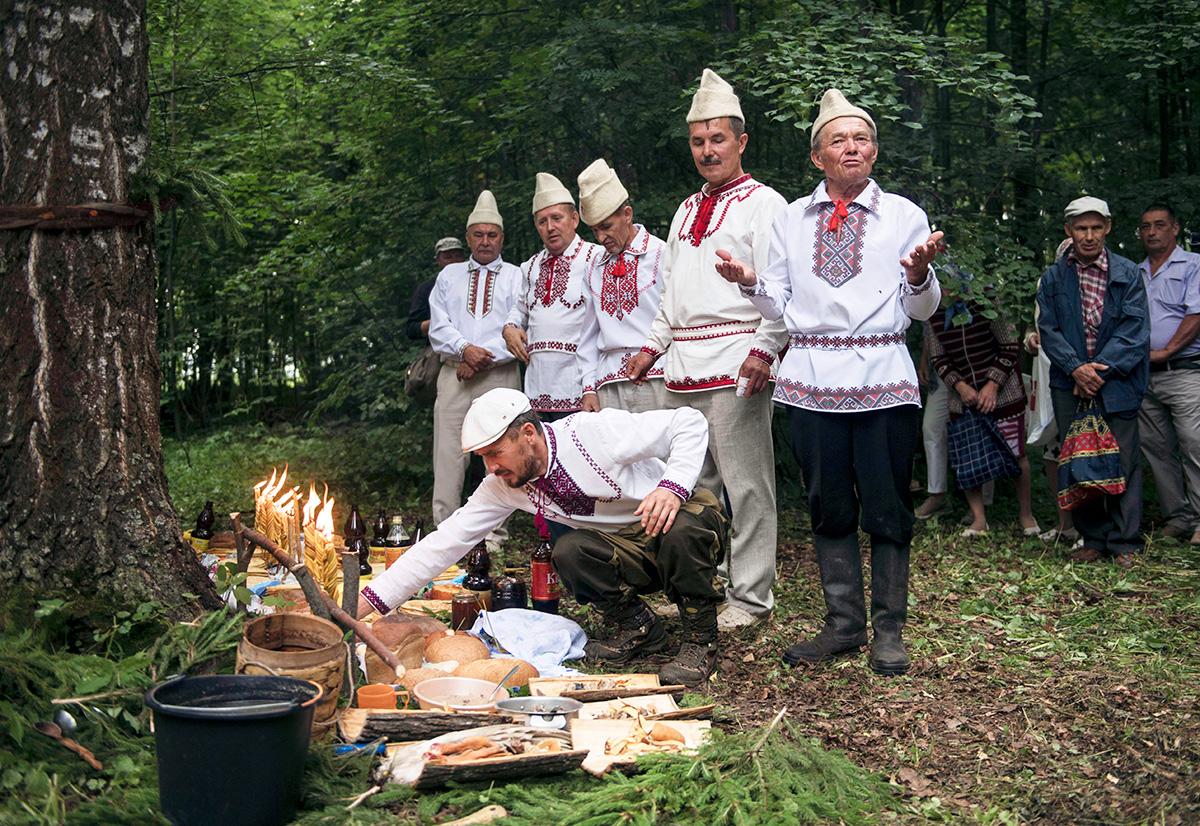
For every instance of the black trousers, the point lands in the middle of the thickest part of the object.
(1111, 524)
(606, 569)
(858, 463)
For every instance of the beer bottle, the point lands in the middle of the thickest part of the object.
(203, 531)
(355, 533)
(479, 578)
(509, 592)
(379, 538)
(544, 578)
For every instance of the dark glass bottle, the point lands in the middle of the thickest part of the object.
(544, 579)
(479, 578)
(203, 531)
(509, 592)
(379, 530)
(355, 534)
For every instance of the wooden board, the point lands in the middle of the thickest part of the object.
(652, 707)
(364, 725)
(590, 688)
(594, 735)
(491, 769)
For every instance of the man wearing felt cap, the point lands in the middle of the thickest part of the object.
(717, 351)
(543, 325)
(626, 484)
(468, 306)
(623, 288)
(1094, 328)
(849, 269)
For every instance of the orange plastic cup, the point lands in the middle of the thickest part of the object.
(376, 695)
(392, 554)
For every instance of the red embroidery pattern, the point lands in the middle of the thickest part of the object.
(687, 383)
(376, 601)
(619, 287)
(650, 351)
(619, 374)
(837, 254)
(679, 490)
(554, 275)
(473, 291)
(561, 346)
(738, 331)
(762, 355)
(815, 342)
(546, 404)
(694, 231)
(845, 399)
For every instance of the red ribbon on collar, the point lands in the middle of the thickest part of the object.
(548, 266)
(708, 204)
(838, 216)
(618, 267)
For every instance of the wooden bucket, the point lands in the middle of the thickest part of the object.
(297, 645)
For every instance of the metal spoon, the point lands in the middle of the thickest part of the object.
(55, 733)
(503, 680)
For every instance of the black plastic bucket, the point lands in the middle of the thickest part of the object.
(231, 748)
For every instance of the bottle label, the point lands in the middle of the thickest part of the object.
(545, 581)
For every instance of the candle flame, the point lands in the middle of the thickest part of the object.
(310, 507)
(325, 520)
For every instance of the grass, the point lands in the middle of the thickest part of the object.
(1042, 691)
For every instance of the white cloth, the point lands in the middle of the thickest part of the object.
(704, 326)
(599, 469)
(469, 305)
(619, 308)
(550, 309)
(846, 301)
(543, 640)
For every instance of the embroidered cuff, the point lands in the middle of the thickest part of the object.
(462, 348)
(652, 352)
(376, 602)
(757, 289)
(678, 490)
(589, 389)
(762, 355)
(924, 286)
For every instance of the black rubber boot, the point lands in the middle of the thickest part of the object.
(697, 657)
(845, 627)
(889, 607)
(638, 632)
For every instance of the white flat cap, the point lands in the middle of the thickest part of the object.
(600, 192)
(446, 245)
(835, 105)
(490, 415)
(486, 211)
(1084, 205)
(548, 191)
(714, 99)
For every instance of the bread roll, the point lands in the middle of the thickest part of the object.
(495, 668)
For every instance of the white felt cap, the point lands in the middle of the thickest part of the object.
(548, 191)
(486, 211)
(714, 99)
(490, 415)
(834, 105)
(600, 192)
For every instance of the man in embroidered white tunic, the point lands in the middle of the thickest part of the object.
(717, 348)
(543, 326)
(849, 268)
(468, 306)
(623, 287)
(625, 483)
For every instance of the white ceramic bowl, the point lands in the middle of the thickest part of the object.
(458, 694)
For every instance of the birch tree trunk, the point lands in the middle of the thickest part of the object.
(84, 510)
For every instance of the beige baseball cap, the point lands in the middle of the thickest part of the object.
(1087, 203)
(490, 415)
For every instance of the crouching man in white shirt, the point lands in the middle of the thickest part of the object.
(625, 483)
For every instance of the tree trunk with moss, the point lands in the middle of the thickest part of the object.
(84, 510)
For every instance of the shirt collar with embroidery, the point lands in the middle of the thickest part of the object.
(570, 250)
(708, 190)
(495, 264)
(865, 199)
(638, 245)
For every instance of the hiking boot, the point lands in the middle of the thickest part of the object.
(639, 632)
(691, 666)
(889, 607)
(697, 657)
(845, 628)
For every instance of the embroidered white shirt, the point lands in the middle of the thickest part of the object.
(703, 325)
(550, 309)
(846, 301)
(469, 305)
(599, 469)
(621, 299)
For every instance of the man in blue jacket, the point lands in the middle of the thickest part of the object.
(1095, 330)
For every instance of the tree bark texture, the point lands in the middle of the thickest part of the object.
(84, 510)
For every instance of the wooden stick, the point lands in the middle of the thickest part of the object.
(349, 602)
(245, 552)
(317, 597)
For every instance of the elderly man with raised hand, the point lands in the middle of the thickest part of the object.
(626, 483)
(850, 269)
(468, 306)
(1169, 420)
(624, 286)
(1093, 327)
(543, 325)
(718, 349)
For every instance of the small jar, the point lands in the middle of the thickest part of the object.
(464, 608)
(509, 592)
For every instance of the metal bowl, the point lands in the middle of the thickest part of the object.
(542, 712)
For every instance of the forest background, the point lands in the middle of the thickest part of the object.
(316, 150)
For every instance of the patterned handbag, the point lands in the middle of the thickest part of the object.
(978, 452)
(1089, 464)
